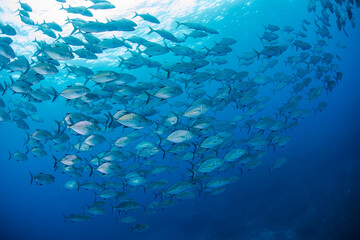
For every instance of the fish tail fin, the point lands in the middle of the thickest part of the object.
(65, 218)
(160, 141)
(186, 36)
(56, 162)
(136, 14)
(10, 155)
(111, 120)
(157, 127)
(91, 171)
(156, 195)
(207, 49)
(5, 88)
(58, 38)
(67, 20)
(261, 39)
(249, 127)
(192, 173)
(27, 68)
(165, 44)
(11, 79)
(27, 138)
(201, 188)
(286, 118)
(257, 53)
(74, 30)
(148, 97)
(186, 85)
(195, 149)
(62, 7)
(229, 86)
(162, 194)
(86, 80)
(151, 30)
(121, 61)
(55, 96)
(164, 152)
(177, 24)
(274, 147)
(31, 177)
(27, 150)
(168, 74)
(59, 127)
(112, 208)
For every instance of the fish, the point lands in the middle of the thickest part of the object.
(45, 68)
(147, 17)
(78, 10)
(278, 163)
(210, 165)
(165, 34)
(18, 156)
(134, 120)
(73, 92)
(147, 107)
(72, 184)
(25, 6)
(77, 218)
(85, 128)
(6, 51)
(122, 24)
(101, 5)
(42, 135)
(58, 51)
(180, 136)
(196, 34)
(128, 219)
(139, 228)
(7, 30)
(179, 187)
(198, 108)
(42, 178)
(96, 210)
(104, 76)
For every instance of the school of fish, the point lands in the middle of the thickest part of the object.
(163, 133)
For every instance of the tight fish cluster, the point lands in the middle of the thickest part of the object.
(168, 122)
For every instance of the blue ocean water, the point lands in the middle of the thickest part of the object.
(314, 195)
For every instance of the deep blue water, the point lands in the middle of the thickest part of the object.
(315, 195)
